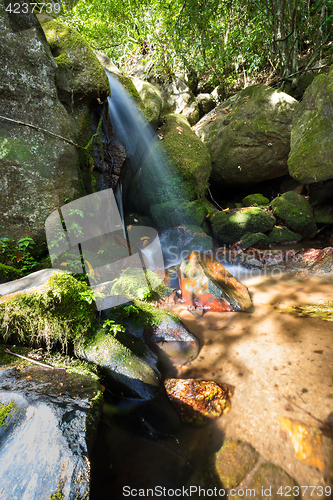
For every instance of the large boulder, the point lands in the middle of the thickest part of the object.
(48, 419)
(311, 155)
(248, 136)
(152, 100)
(37, 169)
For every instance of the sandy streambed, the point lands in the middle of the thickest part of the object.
(279, 365)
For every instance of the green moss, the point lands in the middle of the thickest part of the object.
(141, 314)
(281, 234)
(231, 226)
(295, 212)
(93, 414)
(61, 310)
(179, 212)
(138, 284)
(255, 199)
(5, 411)
(254, 239)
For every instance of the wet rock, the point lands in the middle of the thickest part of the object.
(206, 103)
(198, 401)
(273, 482)
(179, 212)
(152, 100)
(295, 211)
(46, 435)
(204, 282)
(248, 136)
(323, 214)
(321, 193)
(127, 372)
(254, 239)
(230, 226)
(172, 342)
(178, 242)
(231, 464)
(311, 158)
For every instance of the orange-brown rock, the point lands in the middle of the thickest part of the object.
(205, 283)
(198, 401)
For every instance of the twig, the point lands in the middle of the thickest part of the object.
(41, 130)
(32, 360)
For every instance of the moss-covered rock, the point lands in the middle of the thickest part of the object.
(311, 154)
(130, 373)
(248, 135)
(152, 100)
(280, 234)
(177, 167)
(231, 463)
(323, 214)
(254, 239)
(80, 74)
(179, 212)
(255, 199)
(138, 284)
(37, 169)
(47, 306)
(295, 211)
(230, 226)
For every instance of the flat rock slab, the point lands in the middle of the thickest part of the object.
(33, 280)
(44, 437)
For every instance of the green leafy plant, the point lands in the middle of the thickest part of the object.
(113, 327)
(16, 259)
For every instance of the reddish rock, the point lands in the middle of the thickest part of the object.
(198, 401)
(205, 283)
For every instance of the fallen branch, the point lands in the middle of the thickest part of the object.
(32, 360)
(41, 130)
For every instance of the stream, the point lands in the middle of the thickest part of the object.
(279, 365)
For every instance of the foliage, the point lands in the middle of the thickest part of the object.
(323, 310)
(5, 410)
(113, 327)
(141, 314)
(16, 259)
(232, 39)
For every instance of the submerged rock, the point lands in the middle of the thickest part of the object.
(198, 401)
(49, 418)
(204, 282)
(172, 342)
(178, 242)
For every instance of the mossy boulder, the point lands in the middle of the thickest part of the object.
(230, 226)
(80, 75)
(311, 155)
(152, 100)
(37, 169)
(206, 103)
(177, 167)
(231, 464)
(180, 212)
(45, 307)
(248, 136)
(323, 214)
(129, 373)
(280, 234)
(270, 480)
(295, 212)
(254, 239)
(255, 199)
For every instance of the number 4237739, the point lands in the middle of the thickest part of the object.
(27, 8)
(287, 491)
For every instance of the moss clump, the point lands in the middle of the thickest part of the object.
(141, 314)
(256, 200)
(254, 239)
(281, 234)
(230, 226)
(295, 212)
(5, 410)
(61, 310)
(139, 284)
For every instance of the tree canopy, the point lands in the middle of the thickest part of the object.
(222, 36)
